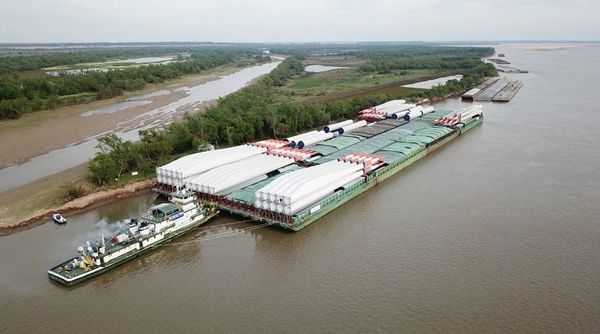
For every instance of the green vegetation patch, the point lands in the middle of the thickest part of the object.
(351, 83)
(32, 74)
(309, 81)
(395, 91)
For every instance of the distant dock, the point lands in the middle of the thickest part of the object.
(509, 69)
(499, 61)
(494, 89)
(508, 92)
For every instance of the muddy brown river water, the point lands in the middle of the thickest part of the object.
(498, 232)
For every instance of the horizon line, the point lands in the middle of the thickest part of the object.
(313, 42)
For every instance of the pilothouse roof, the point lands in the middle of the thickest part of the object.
(165, 208)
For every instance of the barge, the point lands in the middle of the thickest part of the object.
(402, 144)
(494, 90)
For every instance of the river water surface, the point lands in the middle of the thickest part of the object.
(497, 232)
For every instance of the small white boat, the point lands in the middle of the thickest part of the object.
(59, 219)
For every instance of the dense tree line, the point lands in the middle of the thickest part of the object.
(14, 64)
(18, 96)
(14, 61)
(441, 58)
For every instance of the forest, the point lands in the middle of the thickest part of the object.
(19, 95)
(432, 57)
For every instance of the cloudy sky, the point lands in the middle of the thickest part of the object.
(306, 20)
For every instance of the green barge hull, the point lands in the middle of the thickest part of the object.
(235, 205)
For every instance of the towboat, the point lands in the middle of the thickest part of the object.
(159, 225)
(59, 219)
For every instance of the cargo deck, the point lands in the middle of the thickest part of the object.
(400, 143)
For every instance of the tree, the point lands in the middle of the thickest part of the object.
(180, 137)
(118, 151)
(102, 169)
(155, 145)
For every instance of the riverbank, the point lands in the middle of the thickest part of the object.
(94, 199)
(41, 132)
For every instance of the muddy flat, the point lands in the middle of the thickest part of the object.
(45, 131)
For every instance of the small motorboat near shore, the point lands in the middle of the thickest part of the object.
(59, 219)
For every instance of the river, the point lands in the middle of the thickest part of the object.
(497, 232)
(78, 153)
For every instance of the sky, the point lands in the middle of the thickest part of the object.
(35, 21)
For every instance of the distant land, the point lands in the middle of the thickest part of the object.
(83, 45)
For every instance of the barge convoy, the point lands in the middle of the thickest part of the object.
(290, 183)
(294, 182)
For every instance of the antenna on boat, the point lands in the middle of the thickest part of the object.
(103, 244)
